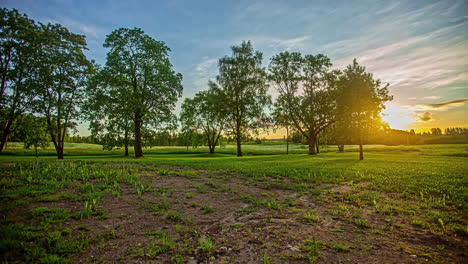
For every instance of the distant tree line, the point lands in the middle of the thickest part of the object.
(389, 136)
(129, 101)
(456, 131)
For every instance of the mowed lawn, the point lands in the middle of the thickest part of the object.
(177, 205)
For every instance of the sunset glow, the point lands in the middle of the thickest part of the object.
(398, 117)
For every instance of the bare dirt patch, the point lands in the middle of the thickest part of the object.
(172, 222)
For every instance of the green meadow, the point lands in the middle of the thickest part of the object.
(72, 210)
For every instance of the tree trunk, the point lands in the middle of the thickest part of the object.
(59, 150)
(287, 140)
(361, 151)
(312, 149)
(138, 142)
(6, 131)
(126, 141)
(340, 148)
(35, 148)
(317, 145)
(238, 141)
(212, 149)
(126, 149)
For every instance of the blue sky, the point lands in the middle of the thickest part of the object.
(419, 47)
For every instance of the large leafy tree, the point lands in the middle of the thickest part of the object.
(141, 75)
(307, 91)
(242, 80)
(206, 112)
(360, 101)
(62, 77)
(19, 43)
(108, 113)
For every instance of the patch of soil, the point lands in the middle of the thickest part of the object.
(247, 227)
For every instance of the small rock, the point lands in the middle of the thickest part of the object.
(293, 248)
(413, 256)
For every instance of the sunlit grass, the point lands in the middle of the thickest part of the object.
(430, 170)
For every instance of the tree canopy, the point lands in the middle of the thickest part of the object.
(19, 43)
(140, 77)
(242, 79)
(62, 79)
(205, 112)
(360, 101)
(307, 91)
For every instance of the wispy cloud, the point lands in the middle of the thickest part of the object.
(430, 97)
(275, 44)
(89, 30)
(423, 112)
(420, 63)
(458, 102)
(201, 72)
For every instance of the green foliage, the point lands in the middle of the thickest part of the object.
(266, 258)
(205, 111)
(312, 249)
(360, 100)
(310, 218)
(307, 93)
(35, 132)
(45, 71)
(138, 82)
(361, 223)
(63, 74)
(206, 244)
(341, 247)
(207, 208)
(163, 243)
(242, 81)
(174, 216)
(160, 207)
(19, 43)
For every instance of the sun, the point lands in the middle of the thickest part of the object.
(397, 117)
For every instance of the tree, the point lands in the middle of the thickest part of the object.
(35, 132)
(242, 80)
(18, 52)
(436, 131)
(333, 135)
(62, 77)
(141, 74)
(360, 101)
(205, 111)
(108, 113)
(307, 92)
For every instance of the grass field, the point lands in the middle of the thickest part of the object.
(402, 204)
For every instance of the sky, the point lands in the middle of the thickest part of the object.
(419, 47)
